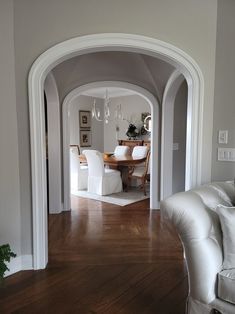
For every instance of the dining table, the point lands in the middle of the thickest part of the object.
(122, 163)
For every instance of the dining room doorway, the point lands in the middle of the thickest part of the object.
(155, 148)
(106, 42)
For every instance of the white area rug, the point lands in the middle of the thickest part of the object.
(121, 199)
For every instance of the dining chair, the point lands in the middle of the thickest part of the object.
(140, 173)
(121, 150)
(78, 173)
(140, 151)
(75, 148)
(101, 181)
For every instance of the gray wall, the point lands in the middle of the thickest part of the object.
(97, 128)
(132, 107)
(189, 25)
(179, 136)
(10, 217)
(224, 110)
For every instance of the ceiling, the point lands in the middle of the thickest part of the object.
(145, 71)
(112, 92)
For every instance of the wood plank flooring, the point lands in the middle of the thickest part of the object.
(104, 258)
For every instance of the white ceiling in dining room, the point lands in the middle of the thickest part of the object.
(113, 92)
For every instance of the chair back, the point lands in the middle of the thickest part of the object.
(140, 151)
(121, 150)
(95, 162)
(75, 149)
(74, 168)
(146, 166)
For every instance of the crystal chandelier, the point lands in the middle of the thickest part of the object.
(97, 115)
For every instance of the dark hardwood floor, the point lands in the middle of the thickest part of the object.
(104, 258)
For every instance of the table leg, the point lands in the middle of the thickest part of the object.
(124, 174)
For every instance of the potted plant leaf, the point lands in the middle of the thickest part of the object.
(5, 256)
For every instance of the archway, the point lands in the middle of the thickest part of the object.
(168, 102)
(92, 43)
(54, 149)
(155, 148)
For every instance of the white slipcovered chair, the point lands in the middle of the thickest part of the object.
(101, 181)
(121, 150)
(78, 173)
(140, 151)
(140, 173)
(195, 214)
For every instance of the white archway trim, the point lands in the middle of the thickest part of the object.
(54, 145)
(168, 103)
(92, 43)
(152, 101)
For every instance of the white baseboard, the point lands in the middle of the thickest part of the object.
(157, 206)
(23, 262)
(27, 262)
(55, 211)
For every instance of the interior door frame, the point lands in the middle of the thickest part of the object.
(93, 43)
(155, 147)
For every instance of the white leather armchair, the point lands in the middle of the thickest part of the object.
(194, 216)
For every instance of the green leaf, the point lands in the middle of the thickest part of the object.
(5, 256)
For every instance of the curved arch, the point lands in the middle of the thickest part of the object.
(152, 101)
(92, 43)
(168, 103)
(54, 147)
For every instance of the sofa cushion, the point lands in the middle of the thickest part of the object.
(225, 190)
(212, 196)
(227, 220)
(226, 285)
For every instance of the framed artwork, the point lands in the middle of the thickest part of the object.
(85, 119)
(85, 138)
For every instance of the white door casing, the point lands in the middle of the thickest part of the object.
(92, 43)
(168, 103)
(54, 145)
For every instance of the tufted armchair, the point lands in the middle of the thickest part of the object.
(193, 213)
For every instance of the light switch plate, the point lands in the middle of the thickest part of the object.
(223, 137)
(226, 154)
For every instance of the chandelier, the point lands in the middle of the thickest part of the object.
(107, 116)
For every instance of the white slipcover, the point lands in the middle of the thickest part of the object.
(140, 151)
(194, 215)
(78, 173)
(121, 150)
(101, 181)
(226, 285)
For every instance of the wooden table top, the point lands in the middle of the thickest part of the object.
(125, 160)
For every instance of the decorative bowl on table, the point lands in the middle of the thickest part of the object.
(108, 154)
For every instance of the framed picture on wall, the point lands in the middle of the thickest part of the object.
(85, 138)
(84, 119)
